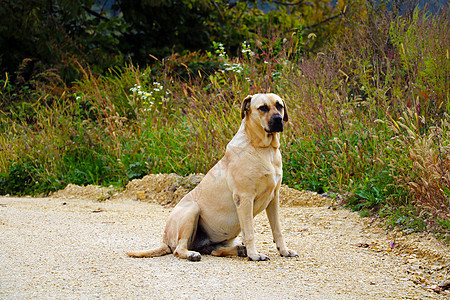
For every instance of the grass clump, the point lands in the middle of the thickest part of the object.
(369, 118)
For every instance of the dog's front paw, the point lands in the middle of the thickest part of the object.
(258, 257)
(288, 253)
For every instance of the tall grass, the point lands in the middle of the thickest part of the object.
(369, 118)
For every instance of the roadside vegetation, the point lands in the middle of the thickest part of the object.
(369, 115)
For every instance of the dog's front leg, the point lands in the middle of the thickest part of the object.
(273, 215)
(244, 207)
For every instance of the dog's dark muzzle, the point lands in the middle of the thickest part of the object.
(275, 124)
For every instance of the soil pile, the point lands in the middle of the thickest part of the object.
(168, 189)
(88, 192)
(164, 189)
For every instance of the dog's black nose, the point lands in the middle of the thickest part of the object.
(276, 124)
(277, 118)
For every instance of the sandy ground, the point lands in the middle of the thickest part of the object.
(69, 246)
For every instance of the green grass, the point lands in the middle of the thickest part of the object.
(369, 121)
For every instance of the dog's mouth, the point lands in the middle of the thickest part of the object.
(273, 130)
(275, 125)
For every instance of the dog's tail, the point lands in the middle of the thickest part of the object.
(162, 250)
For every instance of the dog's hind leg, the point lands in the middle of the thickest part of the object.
(179, 233)
(162, 250)
(182, 227)
(231, 248)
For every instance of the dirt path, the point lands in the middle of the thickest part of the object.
(75, 248)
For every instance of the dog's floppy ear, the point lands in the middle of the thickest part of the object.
(245, 105)
(285, 117)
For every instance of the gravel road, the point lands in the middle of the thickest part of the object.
(75, 248)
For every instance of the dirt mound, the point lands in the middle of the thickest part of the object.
(168, 189)
(164, 189)
(89, 192)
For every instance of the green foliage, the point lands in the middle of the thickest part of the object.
(85, 166)
(136, 171)
(307, 165)
(406, 220)
(375, 192)
(25, 178)
(425, 60)
(68, 35)
(20, 179)
(187, 66)
(445, 224)
(57, 34)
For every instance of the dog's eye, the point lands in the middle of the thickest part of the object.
(279, 106)
(264, 108)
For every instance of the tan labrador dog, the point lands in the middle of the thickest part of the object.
(242, 184)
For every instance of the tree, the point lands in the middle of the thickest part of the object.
(56, 33)
(65, 34)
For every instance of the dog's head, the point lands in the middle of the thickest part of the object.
(268, 110)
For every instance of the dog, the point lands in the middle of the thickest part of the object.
(242, 184)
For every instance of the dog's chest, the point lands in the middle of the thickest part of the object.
(271, 173)
(272, 161)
